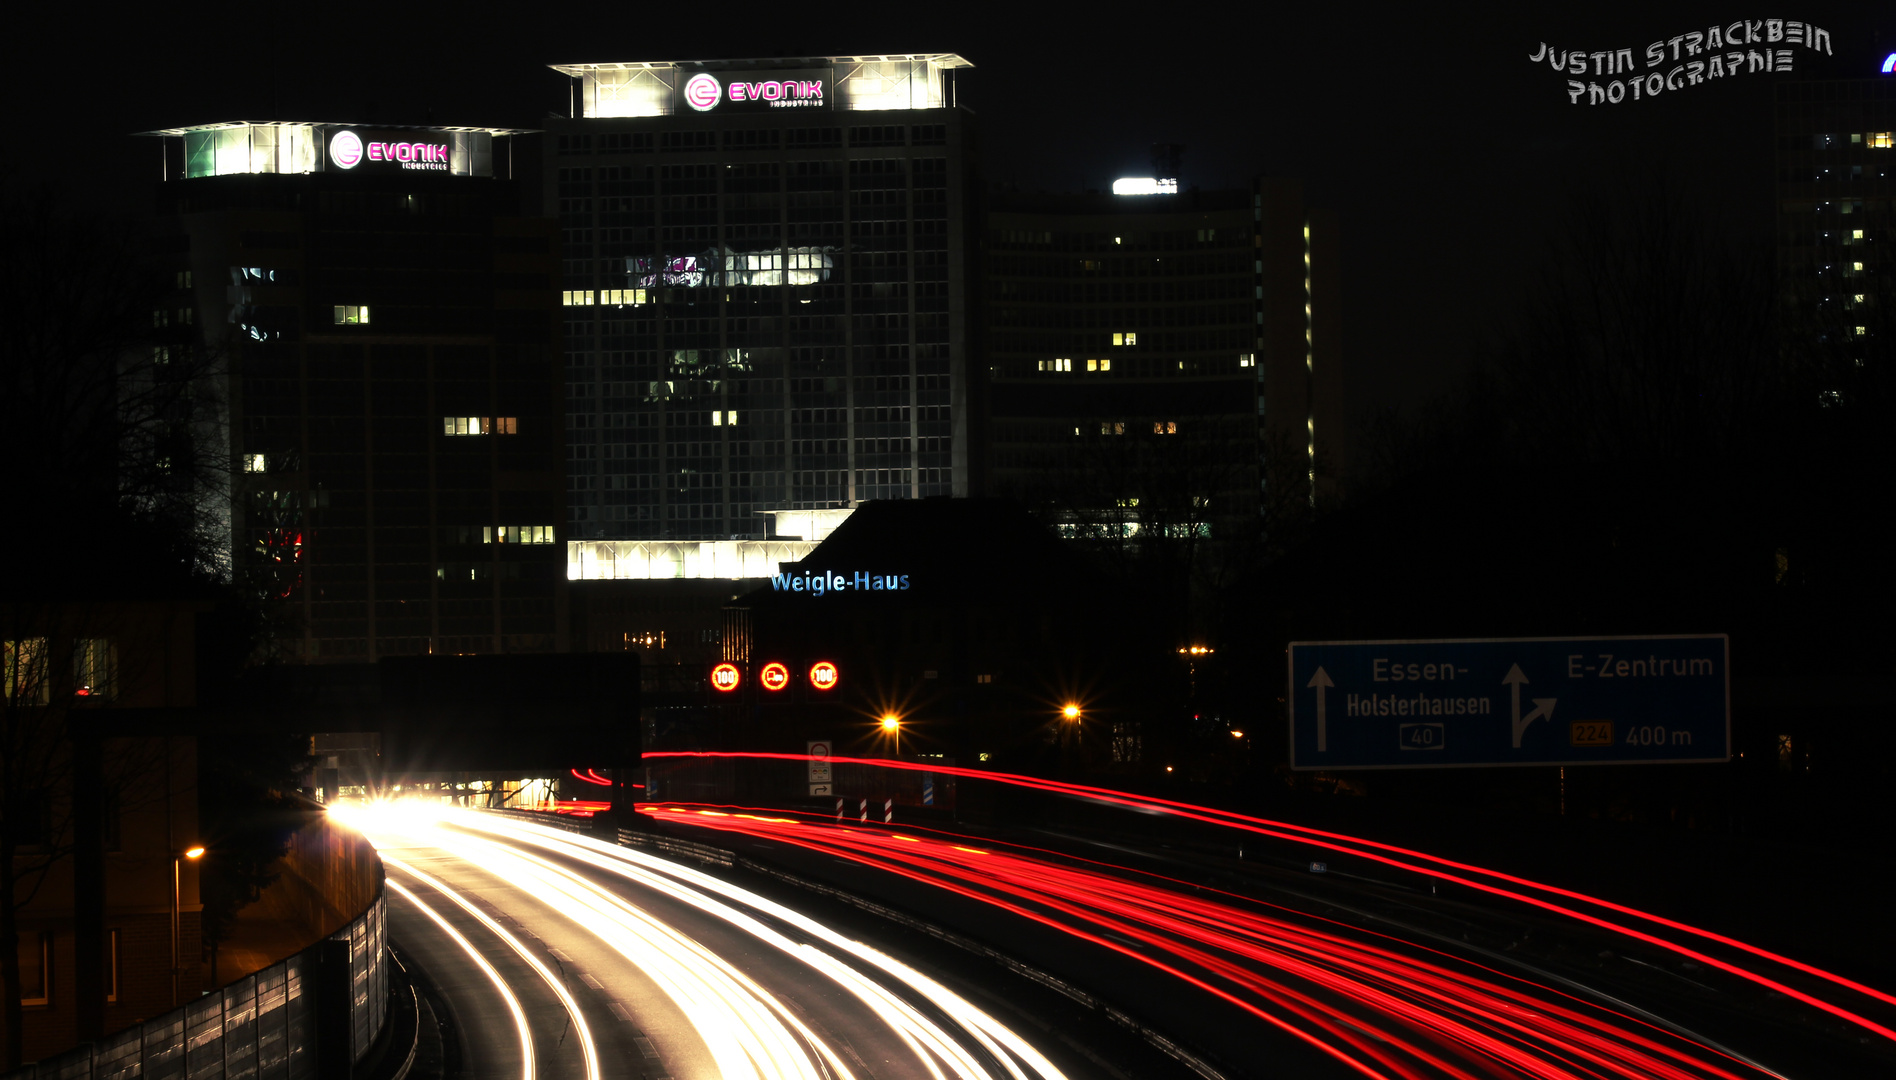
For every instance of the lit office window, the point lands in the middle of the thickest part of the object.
(1881, 140)
(1127, 338)
(724, 419)
(1862, 331)
(23, 668)
(577, 297)
(618, 296)
(1246, 359)
(1056, 365)
(1165, 427)
(1099, 365)
(352, 315)
(517, 534)
(479, 425)
(253, 463)
(94, 668)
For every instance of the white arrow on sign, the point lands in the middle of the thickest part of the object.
(1543, 706)
(1321, 680)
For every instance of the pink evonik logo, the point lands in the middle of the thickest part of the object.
(702, 92)
(345, 149)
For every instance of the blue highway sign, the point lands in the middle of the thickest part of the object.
(1509, 701)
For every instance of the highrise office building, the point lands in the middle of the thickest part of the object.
(387, 319)
(1162, 357)
(1836, 160)
(766, 295)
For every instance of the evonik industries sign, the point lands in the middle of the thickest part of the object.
(803, 89)
(387, 150)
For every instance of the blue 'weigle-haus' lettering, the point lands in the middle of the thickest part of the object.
(828, 581)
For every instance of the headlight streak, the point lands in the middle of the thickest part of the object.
(1002, 1044)
(742, 1027)
(584, 1031)
(1490, 1023)
(740, 1048)
(1339, 842)
(506, 995)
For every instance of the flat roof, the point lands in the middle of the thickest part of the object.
(945, 60)
(229, 124)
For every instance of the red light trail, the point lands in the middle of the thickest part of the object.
(1351, 995)
(1049, 893)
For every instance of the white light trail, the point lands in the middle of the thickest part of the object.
(506, 995)
(692, 887)
(748, 1031)
(583, 1030)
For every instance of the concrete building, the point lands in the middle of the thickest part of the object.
(386, 317)
(766, 288)
(1835, 124)
(1161, 358)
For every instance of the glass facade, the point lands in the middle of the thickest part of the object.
(400, 489)
(763, 310)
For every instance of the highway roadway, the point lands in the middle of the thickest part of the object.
(561, 957)
(1394, 963)
(622, 963)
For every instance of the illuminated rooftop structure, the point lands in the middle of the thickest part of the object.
(1144, 185)
(663, 88)
(236, 147)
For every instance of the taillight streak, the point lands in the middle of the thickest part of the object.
(1489, 1023)
(1339, 842)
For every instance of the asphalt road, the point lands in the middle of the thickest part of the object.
(1263, 968)
(559, 959)
(1100, 958)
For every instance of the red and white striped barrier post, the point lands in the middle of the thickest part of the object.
(839, 810)
(864, 808)
(888, 811)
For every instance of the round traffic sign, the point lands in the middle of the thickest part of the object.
(774, 676)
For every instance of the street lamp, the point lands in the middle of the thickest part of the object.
(194, 853)
(1071, 712)
(892, 724)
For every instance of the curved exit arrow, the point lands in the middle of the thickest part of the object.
(1543, 706)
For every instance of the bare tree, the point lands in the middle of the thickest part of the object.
(111, 429)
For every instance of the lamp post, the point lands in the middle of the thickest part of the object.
(193, 853)
(892, 724)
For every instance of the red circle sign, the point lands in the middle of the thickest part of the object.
(774, 676)
(823, 675)
(725, 677)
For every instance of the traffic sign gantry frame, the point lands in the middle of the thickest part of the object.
(1459, 702)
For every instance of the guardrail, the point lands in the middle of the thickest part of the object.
(289, 1021)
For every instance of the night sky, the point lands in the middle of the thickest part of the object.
(1447, 154)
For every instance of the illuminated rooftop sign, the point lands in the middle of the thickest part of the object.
(829, 581)
(250, 147)
(396, 151)
(750, 91)
(1144, 185)
(684, 87)
(1889, 63)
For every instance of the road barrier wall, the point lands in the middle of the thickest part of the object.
(313, 1015)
